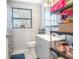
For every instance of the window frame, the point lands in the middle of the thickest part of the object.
(21, 18)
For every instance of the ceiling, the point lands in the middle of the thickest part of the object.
(29, 1)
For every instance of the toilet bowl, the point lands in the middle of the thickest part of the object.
(31, 44)
(31, 48)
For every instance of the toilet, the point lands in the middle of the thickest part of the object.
(31, 48)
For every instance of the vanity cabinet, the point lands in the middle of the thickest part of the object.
(43, 46)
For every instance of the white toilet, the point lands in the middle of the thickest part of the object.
(31, 47)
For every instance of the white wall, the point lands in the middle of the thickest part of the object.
(22, 36)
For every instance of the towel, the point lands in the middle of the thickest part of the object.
(18, 56)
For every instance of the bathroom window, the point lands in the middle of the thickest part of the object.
(21, 18)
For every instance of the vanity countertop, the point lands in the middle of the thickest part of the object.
(47, 37)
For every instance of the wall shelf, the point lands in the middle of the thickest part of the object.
(60, 33)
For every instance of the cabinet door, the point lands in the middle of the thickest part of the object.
(42, 48)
